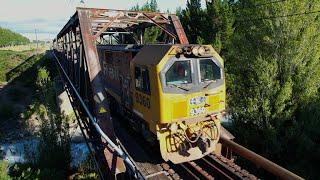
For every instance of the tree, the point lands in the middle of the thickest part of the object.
(274, 72)
(212, 25)
(219, 24)
(192, 19)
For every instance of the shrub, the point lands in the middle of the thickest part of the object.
(3, 170)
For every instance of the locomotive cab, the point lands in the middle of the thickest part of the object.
(180, 96)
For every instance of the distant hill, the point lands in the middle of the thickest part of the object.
(8, 37)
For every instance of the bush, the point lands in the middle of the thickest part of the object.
(3, 170)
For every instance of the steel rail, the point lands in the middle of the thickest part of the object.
(217, 169)
(259, 160)
(93, 120)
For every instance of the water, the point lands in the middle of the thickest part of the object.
(17, 151)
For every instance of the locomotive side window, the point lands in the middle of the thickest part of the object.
(209, 70)
(179, 73)
(142, 82)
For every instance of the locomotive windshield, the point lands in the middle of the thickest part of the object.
(190, 75)
(209, 70)
(179, 73)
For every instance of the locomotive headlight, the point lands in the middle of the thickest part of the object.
(195, 50)
(174, 127)
(199, 50)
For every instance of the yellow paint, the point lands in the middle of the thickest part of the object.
(102, 110)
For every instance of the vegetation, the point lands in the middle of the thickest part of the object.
(9, 38)
(273, 74)
(17, 95)
(11, 59)
(53, 158)
(3, 170)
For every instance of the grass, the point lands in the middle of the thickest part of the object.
(30, 92)
(32, 78)
(3, 170)
(9, 60)
(18, 72)
(28, 47)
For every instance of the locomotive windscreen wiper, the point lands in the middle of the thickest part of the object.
(207, 85)
(185, 89)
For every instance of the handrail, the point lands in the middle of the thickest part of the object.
(93, 120)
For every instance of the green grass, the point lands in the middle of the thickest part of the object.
(9, 37)
(3, 170)
(9, 60)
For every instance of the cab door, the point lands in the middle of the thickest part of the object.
(141, 92)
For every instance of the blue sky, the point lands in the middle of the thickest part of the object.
(49, 16)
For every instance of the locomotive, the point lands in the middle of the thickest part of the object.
(171, 91)
(175, 93)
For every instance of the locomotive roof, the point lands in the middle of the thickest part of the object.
(151, 54)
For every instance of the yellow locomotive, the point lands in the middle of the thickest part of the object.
(173, 92)
(169, 90)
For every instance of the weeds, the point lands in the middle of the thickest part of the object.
(86, 170)
(3, 170)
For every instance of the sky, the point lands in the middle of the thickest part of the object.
(47, 17)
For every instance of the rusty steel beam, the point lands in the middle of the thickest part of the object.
(105, 27)
(100, 104)
(260, 161)
(179, 29)
(161, 27)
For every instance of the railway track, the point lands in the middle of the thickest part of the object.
(209, 167)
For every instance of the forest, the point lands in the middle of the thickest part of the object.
(271, 51)
(9, 37)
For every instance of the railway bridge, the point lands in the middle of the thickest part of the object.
(118, 152)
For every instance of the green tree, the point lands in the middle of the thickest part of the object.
(274, 74)
(219, 20)
(192, 19)
(212, 25)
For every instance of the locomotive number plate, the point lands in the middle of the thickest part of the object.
(197, 111)
(197, 100)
